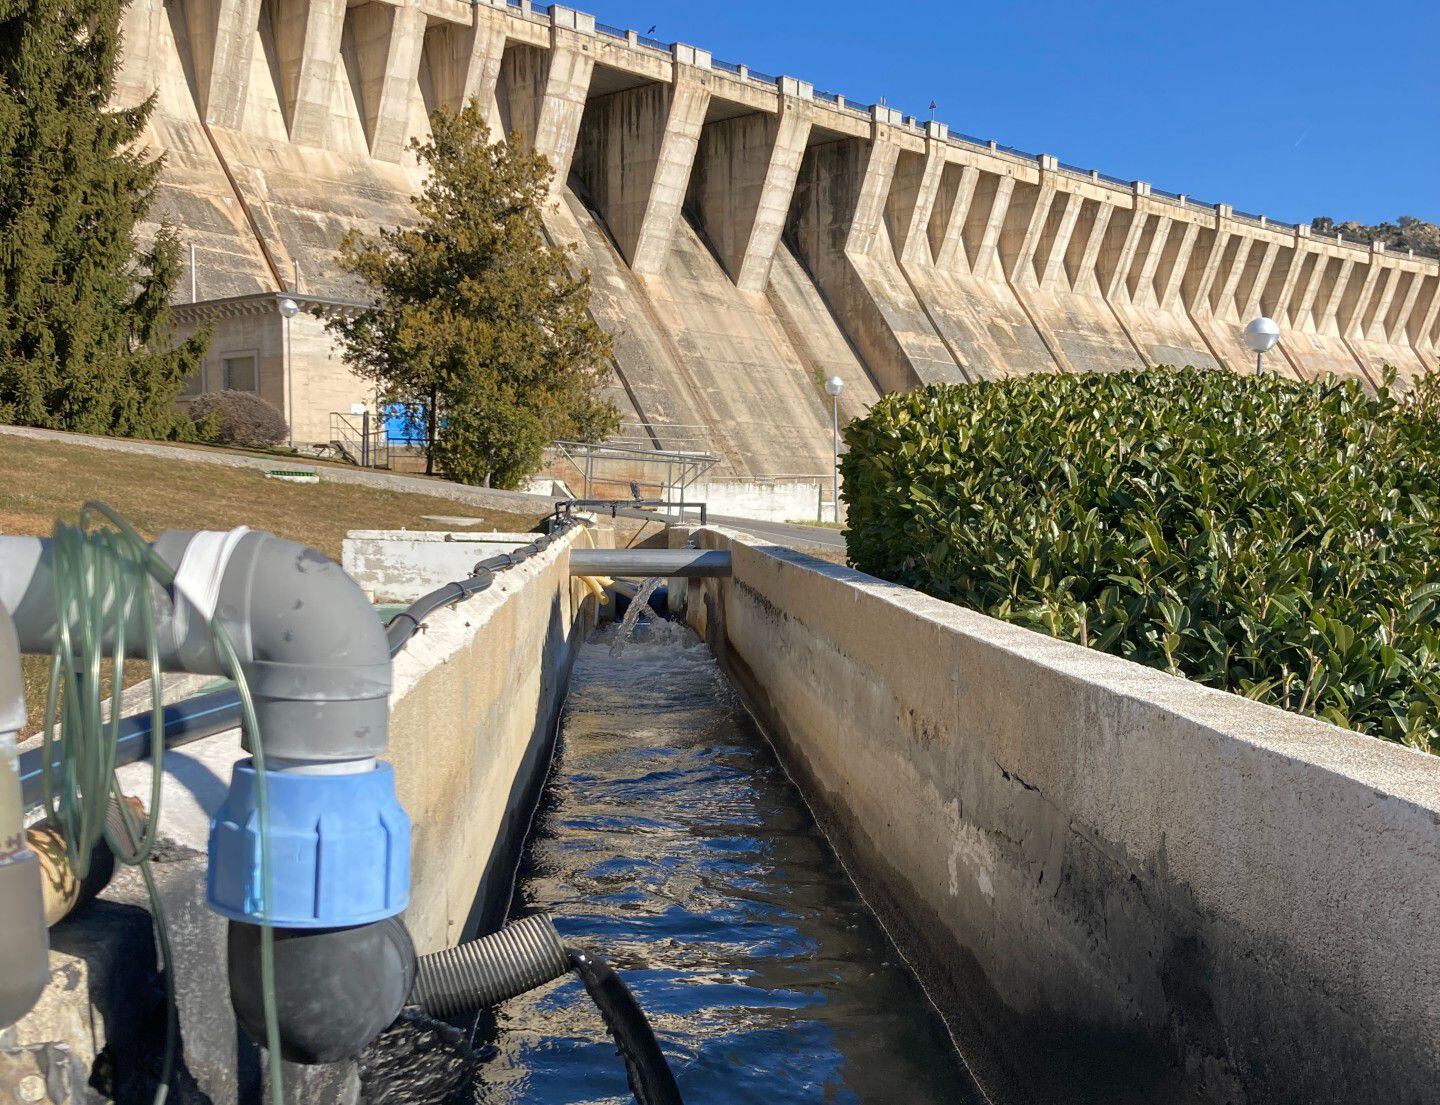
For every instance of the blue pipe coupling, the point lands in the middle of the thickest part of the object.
(339, 849)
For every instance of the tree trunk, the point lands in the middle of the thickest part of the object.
(430, 436)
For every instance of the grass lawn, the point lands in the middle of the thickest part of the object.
(43, 480)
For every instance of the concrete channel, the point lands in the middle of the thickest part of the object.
(1113, 885)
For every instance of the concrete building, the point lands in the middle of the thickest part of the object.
(748, 235)
(292, 363)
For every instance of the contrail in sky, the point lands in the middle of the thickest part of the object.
(1304, 136)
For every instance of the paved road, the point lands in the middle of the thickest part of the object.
(783, 533)
(518, 501)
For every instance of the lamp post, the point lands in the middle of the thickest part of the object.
(1261, 336)
(833, 387)
(289, 308)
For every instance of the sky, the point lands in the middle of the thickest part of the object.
(1284, 108)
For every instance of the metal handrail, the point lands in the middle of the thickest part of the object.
(675, 471)
(781, 477)
(567, 509)
(361, 447)
(631, 452)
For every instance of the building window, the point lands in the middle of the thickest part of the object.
(237, 372)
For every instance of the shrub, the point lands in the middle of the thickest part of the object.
(1270, 538)
(238, 418)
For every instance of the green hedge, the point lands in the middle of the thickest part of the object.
(1274, 539)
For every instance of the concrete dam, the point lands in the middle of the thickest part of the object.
(749, 235)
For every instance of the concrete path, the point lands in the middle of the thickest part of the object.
(486, 498)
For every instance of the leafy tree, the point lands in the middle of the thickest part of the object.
(479, 323)
(85, 338)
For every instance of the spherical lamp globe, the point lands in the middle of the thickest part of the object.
(1262, 335)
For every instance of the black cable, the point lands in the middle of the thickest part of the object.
(181, 723)
(651, 1080)
(406, 624)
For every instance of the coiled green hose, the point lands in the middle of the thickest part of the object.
(102, 577)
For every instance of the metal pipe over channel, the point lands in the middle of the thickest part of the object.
(644, 563)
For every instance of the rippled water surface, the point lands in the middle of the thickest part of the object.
(671, 841)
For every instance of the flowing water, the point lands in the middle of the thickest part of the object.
(671, 841)
(639, 605)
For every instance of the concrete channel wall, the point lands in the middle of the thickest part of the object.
(474, 708)
(404, 565)
(473, 716)
(1118, 885)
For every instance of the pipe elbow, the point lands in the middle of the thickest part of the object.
(313, 649)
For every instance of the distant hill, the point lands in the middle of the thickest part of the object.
(1408, 233)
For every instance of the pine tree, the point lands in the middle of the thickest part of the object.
(478, 321)
(85, 335)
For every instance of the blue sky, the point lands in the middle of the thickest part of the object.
(1283, 108)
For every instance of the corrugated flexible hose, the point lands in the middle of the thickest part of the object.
(519, 958)
(525, 955)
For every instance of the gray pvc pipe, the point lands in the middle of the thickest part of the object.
(316, 656)
(24, 936)
(27, 589)
(310, 644)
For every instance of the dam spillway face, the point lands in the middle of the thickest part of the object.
(748, 235)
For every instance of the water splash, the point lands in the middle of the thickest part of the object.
(640, 604)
